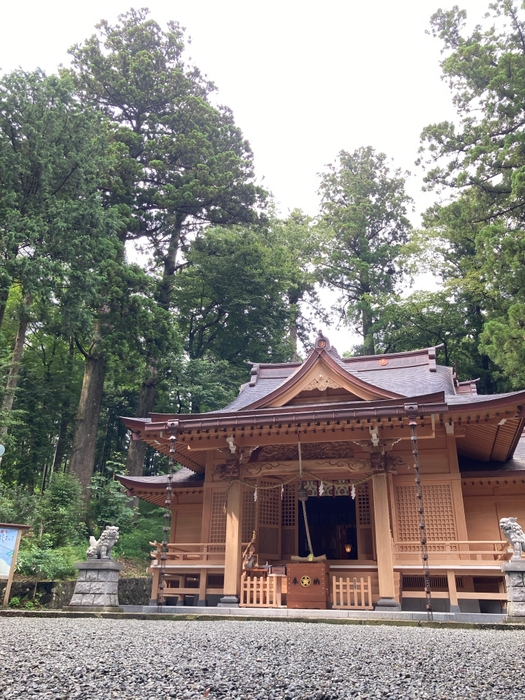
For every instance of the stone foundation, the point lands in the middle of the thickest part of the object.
(96, 586)
(515, 579)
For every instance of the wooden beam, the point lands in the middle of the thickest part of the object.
(288, 435)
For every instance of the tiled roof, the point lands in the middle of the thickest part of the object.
(249, 394)
(407, 374)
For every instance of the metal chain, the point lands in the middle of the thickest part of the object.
(422, 524)
(161, 598)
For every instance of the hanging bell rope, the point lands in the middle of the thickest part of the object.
(302, 495)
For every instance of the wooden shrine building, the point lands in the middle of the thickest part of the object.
(340, 430)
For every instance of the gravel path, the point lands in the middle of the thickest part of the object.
(152, 660)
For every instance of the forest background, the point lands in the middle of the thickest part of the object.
(143, 265)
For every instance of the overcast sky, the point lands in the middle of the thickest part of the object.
(304, 80)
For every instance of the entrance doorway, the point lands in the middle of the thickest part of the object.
(333, 528)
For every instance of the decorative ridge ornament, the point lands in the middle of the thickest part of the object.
(322, 382)
(322, 342)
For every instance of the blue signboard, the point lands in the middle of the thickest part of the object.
(8, 536)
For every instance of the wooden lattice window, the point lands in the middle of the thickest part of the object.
(289, 520)
(363, 504)
(248, 514)
(218, 517)
(439, 513)
(289, 506)
(270, 503)
(269, 518)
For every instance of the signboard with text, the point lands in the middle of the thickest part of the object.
(10, 535)
(8, 538)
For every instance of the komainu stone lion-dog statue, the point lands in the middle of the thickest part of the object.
(101, 548)
(514, 534)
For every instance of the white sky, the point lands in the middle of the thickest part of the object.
(304, 80)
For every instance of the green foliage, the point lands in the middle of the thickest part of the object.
(61, 510)
(53, 154)
(134, 544)
(109, 505)
(17, 505)
(364, 216)
(231, 298)
(503, 340)
(182, 158)
(481, 158)
(40, 560)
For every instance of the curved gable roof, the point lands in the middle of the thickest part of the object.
(372, 377)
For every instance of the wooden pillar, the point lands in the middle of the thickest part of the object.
(452, 591)
(155, 586)
(203, 582)
(457, 492)
(385, 559)
(232, 555)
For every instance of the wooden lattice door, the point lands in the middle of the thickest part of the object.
(365, 538)
(268, 519)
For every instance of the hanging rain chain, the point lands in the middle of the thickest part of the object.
(161, 599)
(412, 415)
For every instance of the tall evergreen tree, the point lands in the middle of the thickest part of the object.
(480, 160)
(53, 227)
(364, 212)
(184, 163)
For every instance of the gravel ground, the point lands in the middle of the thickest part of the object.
(152, 660)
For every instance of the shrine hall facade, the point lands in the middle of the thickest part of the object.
(335, 432)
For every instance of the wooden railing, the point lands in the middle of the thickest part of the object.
(260, 591)
(189, 552)
(352, 593)
(477, 550)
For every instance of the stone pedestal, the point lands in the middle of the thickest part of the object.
(228, 601)
(515, 579)
(97, 586)
(387, 605)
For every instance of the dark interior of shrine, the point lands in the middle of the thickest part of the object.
(332, 523)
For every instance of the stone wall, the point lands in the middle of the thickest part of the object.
(56, 594)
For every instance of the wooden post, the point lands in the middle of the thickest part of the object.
(452, 590)
(203, 580)
(385, 559)
(155, 586)
(232, 555)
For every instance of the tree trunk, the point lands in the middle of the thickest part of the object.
(14, 370)
(294, 316)
(82, 461)
(4, 294)
(61, 446)
(137, 448)
(368, 336)
(366, 311)
(148, 391)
